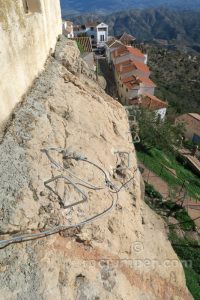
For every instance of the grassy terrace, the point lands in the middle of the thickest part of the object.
(164, 166)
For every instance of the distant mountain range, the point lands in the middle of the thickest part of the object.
(164, 26)
(109, 6)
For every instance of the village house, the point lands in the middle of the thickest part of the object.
(97, 32)
(130, 67)
(192, 126)
(115, 43)
(132, 87)
(125, 53)
(151, 103)
(68, 29)
(110, 46)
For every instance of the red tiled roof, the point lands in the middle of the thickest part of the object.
(135, 52)
(131, 65)
(125, 67)
(120, 51)
(195, 116)
(131, 82)
(147, 82)
(151, 102)
(141, 66)
(126, 50)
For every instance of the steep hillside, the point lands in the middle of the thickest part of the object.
(112, 246)
(177, 77)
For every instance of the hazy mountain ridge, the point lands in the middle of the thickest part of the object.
(70, 6)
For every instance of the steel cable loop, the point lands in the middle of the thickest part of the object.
(77, 158)
(108, 184)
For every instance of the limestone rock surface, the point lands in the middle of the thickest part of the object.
(125, 254)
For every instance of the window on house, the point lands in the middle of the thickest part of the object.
(92, 28)
(92, 36)
(102, 29)
(25, 5)
(102, 38)
(127, 90)
(31, 6)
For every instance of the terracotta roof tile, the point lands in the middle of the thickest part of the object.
(125, 67)
(141, 66)
(85, 42)
(151, 102)
(147, 82)
(126, 50)
(131, 65)
(195, 116)
(131, 82)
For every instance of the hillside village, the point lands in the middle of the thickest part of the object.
(128, 63)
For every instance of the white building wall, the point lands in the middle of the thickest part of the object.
(146, 59)
(126, 94)
(161, 112)
(148, 90)
(26, 40)
(103, 33)
(109, 52)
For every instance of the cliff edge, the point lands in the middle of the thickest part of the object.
(63, 165)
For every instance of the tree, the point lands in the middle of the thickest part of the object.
(157, 133)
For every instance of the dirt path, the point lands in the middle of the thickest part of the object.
(158, 183)
(192, 206)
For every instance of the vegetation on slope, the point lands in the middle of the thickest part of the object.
(177, 77)
(186, 248)
(155, 159)
(189, 253)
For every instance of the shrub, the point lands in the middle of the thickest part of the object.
(151, 192)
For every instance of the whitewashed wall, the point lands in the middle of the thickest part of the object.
(26, 40)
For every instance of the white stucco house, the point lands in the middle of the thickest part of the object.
(102, 34)
(97, 32)
(68, 29)
(111, 45)
(131, 67)
(132, 87)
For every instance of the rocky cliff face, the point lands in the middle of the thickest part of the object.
(124, 253)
